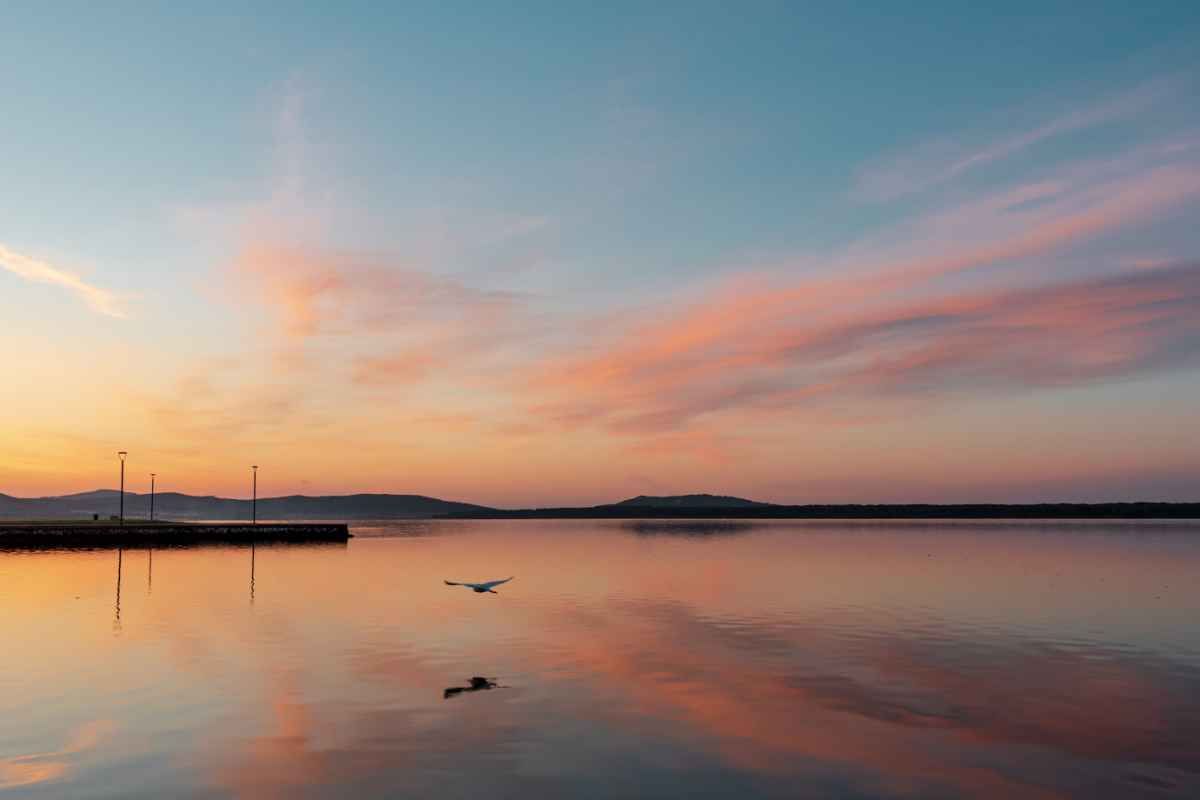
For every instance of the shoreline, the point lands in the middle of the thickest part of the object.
(850, 511)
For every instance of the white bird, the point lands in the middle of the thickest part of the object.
(481, 587)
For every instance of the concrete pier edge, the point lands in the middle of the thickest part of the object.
(57, 534)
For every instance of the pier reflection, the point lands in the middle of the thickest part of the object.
(118, 581)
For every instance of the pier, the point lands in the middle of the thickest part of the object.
(165, 534)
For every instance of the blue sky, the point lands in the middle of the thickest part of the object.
(538, 187)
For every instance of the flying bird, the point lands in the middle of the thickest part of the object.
(481, 587)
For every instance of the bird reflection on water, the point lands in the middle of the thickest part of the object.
(477, 684)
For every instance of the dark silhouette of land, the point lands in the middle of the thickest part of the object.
(172, 505)
(707, 501)
(704, 506)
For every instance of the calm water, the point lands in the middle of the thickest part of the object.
(973, 660)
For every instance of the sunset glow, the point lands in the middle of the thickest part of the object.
(409, 256)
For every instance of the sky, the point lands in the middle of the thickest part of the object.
(559, 253)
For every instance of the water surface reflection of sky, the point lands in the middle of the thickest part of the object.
(855, 660)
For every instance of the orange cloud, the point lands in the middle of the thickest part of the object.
(392, 369)
(375, 307)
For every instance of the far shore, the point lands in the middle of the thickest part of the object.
(880, 511)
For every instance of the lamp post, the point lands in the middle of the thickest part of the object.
(121, 455)
(150, 550)
(254, 496)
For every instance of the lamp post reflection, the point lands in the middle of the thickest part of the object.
(117, 613)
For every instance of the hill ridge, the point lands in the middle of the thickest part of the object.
(178, 505)
(701, 500)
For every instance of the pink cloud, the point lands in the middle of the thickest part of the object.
(407, 367)
(398, 321)
(713, 334)
(667, 377)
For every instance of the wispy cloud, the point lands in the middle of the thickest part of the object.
(411, 309)
(843, 340)
(889, 318)
(1100, 329)
(32, 269)
(393, 323)
(945, 159)
(884, 324)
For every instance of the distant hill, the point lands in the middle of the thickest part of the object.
(97, 494)
(698, 507)
(173, 505)
(690, 501)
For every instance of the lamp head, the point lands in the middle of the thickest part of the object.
(121, 454)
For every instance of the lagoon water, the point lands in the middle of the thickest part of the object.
(630, 659)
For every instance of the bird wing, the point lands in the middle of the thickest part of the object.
(490, 584)
(455, 583)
